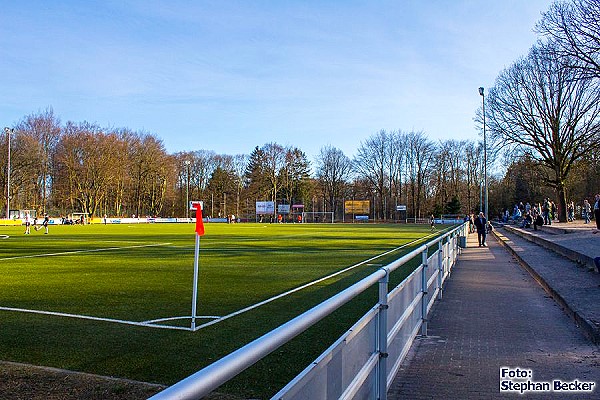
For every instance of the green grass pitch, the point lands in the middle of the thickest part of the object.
(144, 272)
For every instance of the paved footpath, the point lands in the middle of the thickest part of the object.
(493, 314)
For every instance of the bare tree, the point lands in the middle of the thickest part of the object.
(396, 163)
(333, 171)
(574, 26)
(239, 164)
(294, 176)
(449, 171)
(548, 110)
(43, 130)
(150, 166)
(274, 157)
(84, 161)
(473, 176)
(419, 159)
(371, 164)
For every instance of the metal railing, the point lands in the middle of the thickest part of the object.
(366, 358)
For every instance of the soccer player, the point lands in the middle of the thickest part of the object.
(44, 224)
(27, 223)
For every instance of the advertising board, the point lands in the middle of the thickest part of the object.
(357, 206)
(265, 207)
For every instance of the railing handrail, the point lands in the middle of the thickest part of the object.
(214, 375)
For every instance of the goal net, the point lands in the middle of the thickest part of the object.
(318, 216)
(80, 218)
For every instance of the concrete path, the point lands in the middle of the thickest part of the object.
(549, 257)
(494, 315)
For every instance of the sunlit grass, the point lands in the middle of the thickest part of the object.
(144, 272)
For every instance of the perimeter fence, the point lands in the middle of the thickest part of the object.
(363, 362)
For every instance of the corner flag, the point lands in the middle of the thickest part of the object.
(199, 232)
(199, 222)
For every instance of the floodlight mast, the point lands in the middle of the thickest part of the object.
(187, 189)
(9, 132)
(485, 182)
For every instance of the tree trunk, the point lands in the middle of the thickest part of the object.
(562, 202)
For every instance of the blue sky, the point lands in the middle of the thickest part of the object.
(231, 75)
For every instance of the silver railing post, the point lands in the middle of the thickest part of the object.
(382, 338)
(424, 293)
(440, 267)
(455, 247)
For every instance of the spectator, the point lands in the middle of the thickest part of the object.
(586, 211)
(597, 211)
(481, 225)
(516, 213)
(546, 212)
(527, 221)
(571, 212)
(538, 220)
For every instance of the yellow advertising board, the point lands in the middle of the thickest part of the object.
(357, 206)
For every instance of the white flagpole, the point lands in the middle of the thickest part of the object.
(195, 285)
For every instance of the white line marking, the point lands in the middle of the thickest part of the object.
(216, 319)
(88, 317)
(84, 251)
(243, 310)
(154, 321)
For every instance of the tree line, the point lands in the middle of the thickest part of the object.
(81, 167)
(542, 118)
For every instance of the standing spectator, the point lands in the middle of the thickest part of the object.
(586, 211)
(546, 211)
(481, 225)
(571, 212)
(537, 218)
(597, 211)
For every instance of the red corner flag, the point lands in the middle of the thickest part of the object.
(199, 222)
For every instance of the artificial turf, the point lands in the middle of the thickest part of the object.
(144, 272)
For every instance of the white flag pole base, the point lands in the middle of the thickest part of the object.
(195, 283)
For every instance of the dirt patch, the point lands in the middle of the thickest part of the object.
(27, 382)
(30, 382)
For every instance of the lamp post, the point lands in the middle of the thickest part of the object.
(485, 182)
(481, 196)
(187, 188)
(9, 132)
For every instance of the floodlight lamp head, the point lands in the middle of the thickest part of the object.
(481, 91)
